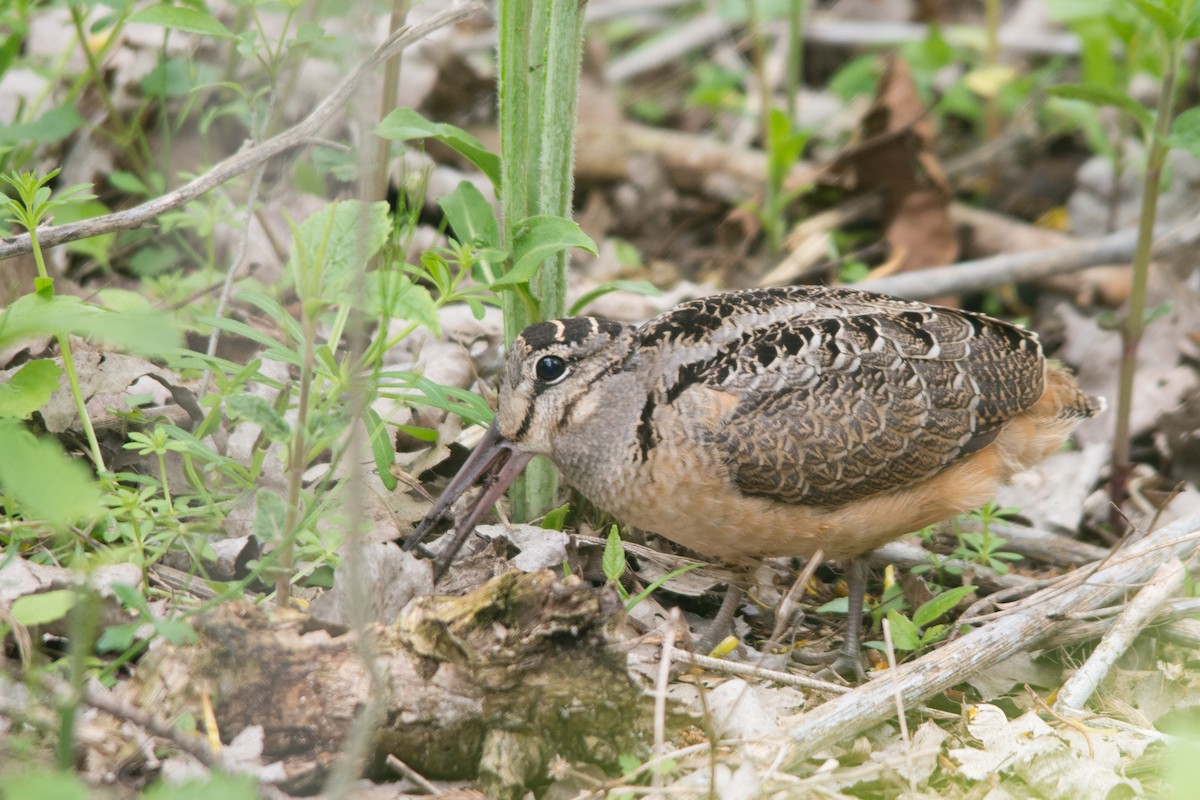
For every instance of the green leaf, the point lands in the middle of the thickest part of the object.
(1185, 132)
(118, 638)
(838, 605)
(39, 785)
(133, 599)
(269, 517)
(905, 635)
(614, 556)
(658, 582)
(556, 518)
(1164, 19)
(382, 447)
(29, 388)
(176, 631)
(129, 183)
(181, 18)
(537, 239)
(390, 294)
(934, 633)
(471, 216)
(44, 607)
(1100, 95)
(404, 124)
(344, 236)
(94, 247)
(213, 785)
(252, 408)
(939, 605)
(146, 333)
(43, 480)
(635, 287)
(53, 126)
(784, 145)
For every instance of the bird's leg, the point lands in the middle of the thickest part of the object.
(722, 623)
(849, 661)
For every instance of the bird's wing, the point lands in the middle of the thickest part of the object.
(842, 394)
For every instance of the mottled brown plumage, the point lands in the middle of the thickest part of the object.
(781, 421)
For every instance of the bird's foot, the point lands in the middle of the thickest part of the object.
(722, 624)
(837, 664)
(847, 666)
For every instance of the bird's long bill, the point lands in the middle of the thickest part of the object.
(494, 455)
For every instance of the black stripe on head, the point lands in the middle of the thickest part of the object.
(571, 330)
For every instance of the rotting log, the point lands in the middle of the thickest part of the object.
(524, 659)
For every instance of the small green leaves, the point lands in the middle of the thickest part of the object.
(471, 216)
(1185, 132)
(39, 783)
(539, 238)
(270, 515)
(633, 287)
(905, 635)
(555, 519)
(146, 333)
(38, 477)
(215, 784)
(184, 19)
(29, 388)
(390, 294)
(939, 605)
(331, 245)
(253, 408)
(33, 201)
(382, 447)
(1100, 95)
(1163, 18)
(44, 607)
(405, 123)
(613, 562)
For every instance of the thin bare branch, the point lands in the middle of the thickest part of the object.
(241, 162)
(1167, 580)
(1036, 621)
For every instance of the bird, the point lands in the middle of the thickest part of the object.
(783, 421)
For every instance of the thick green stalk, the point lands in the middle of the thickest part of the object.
(1135, 319)
(541, 46)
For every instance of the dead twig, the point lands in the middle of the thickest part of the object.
(1028, 627)
(660, 688)
(405, 771)
(241, 162)
(1166, 580)
(752, 671)
(986, 273)
(190, 743)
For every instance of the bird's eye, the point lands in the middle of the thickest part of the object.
(550, 369)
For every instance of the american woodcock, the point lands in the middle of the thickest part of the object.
(776, 422)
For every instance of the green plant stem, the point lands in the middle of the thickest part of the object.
(758, 65)
(64, 347)
(162, 471)
(375, 181)
(1135, 319)
(82, 623)
(795, 65)
(540, 49)
(297, 460)
(991, 106)
(125, 134)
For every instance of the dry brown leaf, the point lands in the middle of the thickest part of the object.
(896, 158)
